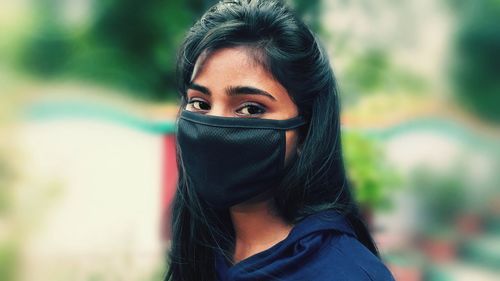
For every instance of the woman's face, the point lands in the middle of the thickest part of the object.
(230, 83)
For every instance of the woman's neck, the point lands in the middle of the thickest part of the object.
(257, 228)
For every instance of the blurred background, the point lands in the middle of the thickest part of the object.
(87, 111)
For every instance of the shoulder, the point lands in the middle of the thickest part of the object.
(330, 250)
(344, 258)
(323, 247)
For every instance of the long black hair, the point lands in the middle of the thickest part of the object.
(316, 180)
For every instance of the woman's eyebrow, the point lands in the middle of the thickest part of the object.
(199, 88)
(247, 90)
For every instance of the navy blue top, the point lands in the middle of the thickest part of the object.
(321, 247)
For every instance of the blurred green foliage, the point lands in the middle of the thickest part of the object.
(372, 177)
(309, 11)
(373, 71)
(369, 70)
(47, 49)
(9, 255)
(442, 197)
(124, 44)
(475, 68)
(9, 250)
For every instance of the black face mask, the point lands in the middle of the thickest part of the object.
(230, 160)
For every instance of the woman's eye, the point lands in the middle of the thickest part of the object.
(251, 109)
(198, 105)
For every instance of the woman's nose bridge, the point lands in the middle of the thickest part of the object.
(220, 107)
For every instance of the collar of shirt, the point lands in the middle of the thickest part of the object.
(306, 238)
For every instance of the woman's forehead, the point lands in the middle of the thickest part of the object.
(239, 55)
(227, 68)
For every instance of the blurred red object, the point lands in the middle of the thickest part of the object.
(440, 249)
(406, 273)
(169, 184)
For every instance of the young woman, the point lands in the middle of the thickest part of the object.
(262, 191)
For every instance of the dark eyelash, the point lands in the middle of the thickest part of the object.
(259, 106)
(191, 101)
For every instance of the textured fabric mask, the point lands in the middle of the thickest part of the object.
(230, 160)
